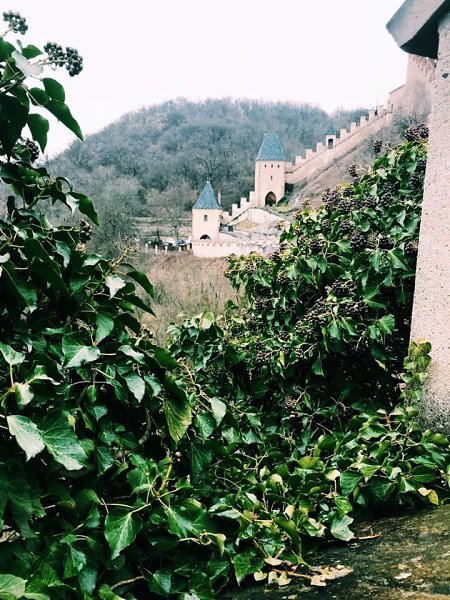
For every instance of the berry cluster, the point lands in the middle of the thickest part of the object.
(353, 170)
(369, 201)
(384, 243)
(16, 23)
(345, 227)
(357, 242)
(68, 58)
(317, 315)
(341, 288)
(411, 248)
(377, 146)
(85, 231)
(283, 278)
(416, 182)
(32, 149)
(417, 134)
(315, 245)
(355, 309)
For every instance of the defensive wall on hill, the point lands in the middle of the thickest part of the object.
(412, 97)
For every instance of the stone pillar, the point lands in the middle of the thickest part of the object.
(431, 310)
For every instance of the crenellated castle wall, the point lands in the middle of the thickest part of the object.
(408, 99)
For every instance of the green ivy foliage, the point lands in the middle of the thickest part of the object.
(128, 471)
(315, 428)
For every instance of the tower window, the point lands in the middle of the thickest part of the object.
(271, 177)
(205, 218)
(278, 166)
(271, 166)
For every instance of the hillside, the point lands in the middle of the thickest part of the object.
(153, 162)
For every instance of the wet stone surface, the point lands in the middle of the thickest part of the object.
(410, 559)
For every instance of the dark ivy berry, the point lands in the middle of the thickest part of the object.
(353, 171)
(385, 243)
(411, 248)
(32, 149)
(315, 245)
(345, 227)
(340, 288)
(377, 146)
(357, 242)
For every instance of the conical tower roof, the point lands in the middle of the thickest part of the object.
(207, 199)
(271, 148)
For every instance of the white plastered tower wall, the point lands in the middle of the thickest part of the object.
(270, 172)
(270, 177)
(207, 215)
(206, 222)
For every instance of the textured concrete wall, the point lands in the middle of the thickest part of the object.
(210, 227)
(269, 177)
(431, 310)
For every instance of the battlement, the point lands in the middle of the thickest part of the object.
(336, 145)
(219, 249)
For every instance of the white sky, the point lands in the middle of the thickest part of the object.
(333, 53)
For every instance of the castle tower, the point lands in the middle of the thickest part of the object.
(206, 215)
(270, 167)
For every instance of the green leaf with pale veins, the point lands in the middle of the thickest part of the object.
(61, 441)
(135, 384)
(121, 529)
(24, 394)
(74, 561)
(11, 356)
(104, 324)
(247, 563)
(339, 528)
(27, 434)
(178, 416)
(76, 352)
(11, 587)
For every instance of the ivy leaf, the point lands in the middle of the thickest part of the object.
(104, 324)
(219, 409)
(27, 434)
(54, 89)
(143, 281)
(62, 112)
(178, 416)
(85, 206)
(11, 587)
(62, 442)
(74, 561)
(161, 582)
(76, 352)
(106, 593)
(11, 356)
(24, 394)
(121, 529)
(339, 528)
(39, 127)
(114, 283)
(246, 563)
(129, 351)
(135, 384)
(348, 482)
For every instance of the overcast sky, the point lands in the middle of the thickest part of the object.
(333, 53)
